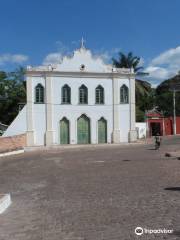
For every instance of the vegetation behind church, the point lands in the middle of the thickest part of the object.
(146, 96)
(12, 93)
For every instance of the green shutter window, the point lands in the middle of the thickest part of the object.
(124, 94)
(83, 95)
(64, 131)
(102, 131)
(66, 94)
(99, 95)
(83, 130)
(39, 94)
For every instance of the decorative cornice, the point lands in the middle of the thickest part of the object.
(80, 74)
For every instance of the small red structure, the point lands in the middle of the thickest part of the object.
(158, 124)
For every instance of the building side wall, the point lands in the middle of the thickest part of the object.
(18, 126)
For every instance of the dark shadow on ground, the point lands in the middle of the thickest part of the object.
(126, 160)
(172, 188)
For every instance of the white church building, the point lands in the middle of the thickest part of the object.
(81, 100)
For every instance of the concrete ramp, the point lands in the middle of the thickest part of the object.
(5, 202)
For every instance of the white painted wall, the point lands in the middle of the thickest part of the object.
(39, 123)
(74, 110)
(141, 129)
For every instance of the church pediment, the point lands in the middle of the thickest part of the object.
(83, 60)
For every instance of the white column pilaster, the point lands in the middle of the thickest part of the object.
(49, 112)
(116, 125)
(72, 131)
(29, 112)
(132, 131)
(94, 131)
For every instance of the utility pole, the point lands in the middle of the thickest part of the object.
(174, 88)
(174, 110)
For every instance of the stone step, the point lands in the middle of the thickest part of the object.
(5, 202)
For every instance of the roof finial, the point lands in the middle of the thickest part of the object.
(82, 43)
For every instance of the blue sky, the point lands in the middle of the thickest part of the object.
(33, 32)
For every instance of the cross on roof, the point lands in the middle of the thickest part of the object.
(82, 43)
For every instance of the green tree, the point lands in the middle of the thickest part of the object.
(17, 75)
(145, 99)
(164, 96)
(12, 92)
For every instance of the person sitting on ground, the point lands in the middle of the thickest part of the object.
(158, 139)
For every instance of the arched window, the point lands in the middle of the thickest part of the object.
(83, 95)
(124, 94)
(99, 95)
(66, 94)
(39, 94)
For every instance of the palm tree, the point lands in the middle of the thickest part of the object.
(128, 61)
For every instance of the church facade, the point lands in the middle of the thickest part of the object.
(81, 100)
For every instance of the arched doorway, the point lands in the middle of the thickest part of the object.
(83, 130)
(102, 131)
(64, 131)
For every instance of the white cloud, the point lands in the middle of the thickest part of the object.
(157, 72)
(62, 48)
(164, 66)
(56, 57)
(53, 58)
(12, 58)
(171, 56)
(106, 55)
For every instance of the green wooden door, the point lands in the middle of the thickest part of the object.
(64, 131)
(83, 130)
(102, 131)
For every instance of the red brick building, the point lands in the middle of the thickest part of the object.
(157, 123)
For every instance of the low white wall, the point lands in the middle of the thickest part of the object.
(141, 129)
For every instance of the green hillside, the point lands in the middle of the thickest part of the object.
(164, 97)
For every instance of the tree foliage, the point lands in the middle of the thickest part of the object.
(145, 99)
(12, 92)
(127, 61)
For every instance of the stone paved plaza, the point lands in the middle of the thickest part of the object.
(91, 193)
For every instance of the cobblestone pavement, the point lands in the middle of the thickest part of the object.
(91, 194)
